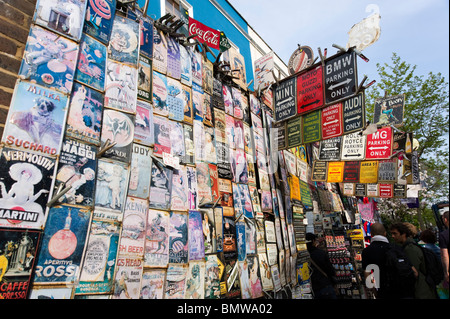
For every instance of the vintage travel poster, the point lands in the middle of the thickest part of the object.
(175, 100)
(91, 63)
(160, 94)
(140, 171)
(124, 41)
(19, 247)
(179, 196)
(161, 126)
(160, 186)
(175, 284)
(152, 284)
(173, 58)
(36, 119)
(99, 261)
(156, 253)
(178, 238)
(63, 244)
(127, 281)
(118, 127)
(26, 183)
(84, 120)
(159, 51)
(99, 19)
(49, 60)
(121, 86)
(77, 167)
(143, 125)
(196, 240)
(195, 280)
(132, 240)
(144, 83)
(111, 185)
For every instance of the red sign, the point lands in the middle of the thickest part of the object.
(386, 190)
(205, 34)
(332, 121)
(310, 90)
(379, 144)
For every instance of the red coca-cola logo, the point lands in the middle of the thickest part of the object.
(204, 34)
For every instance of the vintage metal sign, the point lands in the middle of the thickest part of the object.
(353, 147)
(369, 172)
(285, 105)
(302, 58)
(340, 77)
(379, 144)
(204, 34)
(332, 121)
(310, 90)
(294, 132)
(319, 171)
(386, 190)
(351, 171)
(354, 116)
(389, 110)
(335, 172)
(330, 149)
(311, 127)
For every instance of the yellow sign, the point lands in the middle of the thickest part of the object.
(294, 185)
(369, 172)
(335, 172)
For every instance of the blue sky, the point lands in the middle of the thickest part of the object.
(417, 30)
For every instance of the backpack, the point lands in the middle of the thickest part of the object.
(399, 274)
(433, 266)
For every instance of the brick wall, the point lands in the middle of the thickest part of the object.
(15, 21)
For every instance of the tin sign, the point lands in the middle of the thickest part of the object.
(332, 121)
(353, 147)
(311, 127)
(285, 103)
(340, 77)
(379, 144)
(310, 90)
(354, 115)
(389, 111)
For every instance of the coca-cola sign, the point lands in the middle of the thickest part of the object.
(204, 34)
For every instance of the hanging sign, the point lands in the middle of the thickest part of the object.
(368, 172)
(379, 144)
(310, 90)
(348, 188)
(319, 171)
(387, 171)
(414, 178)
(354, 115)
(399, 191)
(305, 194)
(285, 105)
(280, 135)
(389, 110)
(351, 172)
(311, 127)
(332, 121)
(301, 59)
(294, 132)
(402, 141)
(386, 190)
(372, 190)
(335, 172)
(263, 71)
(340, 77)
(330, 150)
(204, 34)
(360, 189)
(353, 147)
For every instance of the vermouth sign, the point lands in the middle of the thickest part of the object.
(204, 34)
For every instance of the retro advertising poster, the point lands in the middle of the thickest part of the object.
(91, 63)
(263, 75)
(160, 94)
(240, 236)
(175, 284)
(175, 100)
(49, 60)
(77, 167)
(179, 197)
(160, 186)
(227, 99)
(213, 272)
(239, 166)
(192, 187)
(140, 171)
(208, 77)
(237, 63)
(210, 145)
(238, 112)
(213, 174)
(242, 200)
(121, 86)
(99, 263)
(63, 244)
(161, 133)
(178, 238)
(250, 236)
(217, 96)
(65, 17)
(186, 65)
(254, 277)
(36, 119)
(157, 239)
(99, 19)
(218, 224)
(196, 240)
(208, 110)
(187, 104)
(203, 183)
(26, 181)
(19, 248)
(145, 79)
(127, 282)
(152, 284)
(266, 276)
(197, 102)
(145, 30)
(195, 280)
(111, 185)
(177, 140)
(229, 237)
(197, 68)
(209, 231)
(85, 114)
(143, 132)
(220, 124)
(246, 291)
(173, 58)
(188, 144)
(132, 239)
(118, 127)
(124, 41)
(159, 51)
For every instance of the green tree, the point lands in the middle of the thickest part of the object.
(426, 114)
